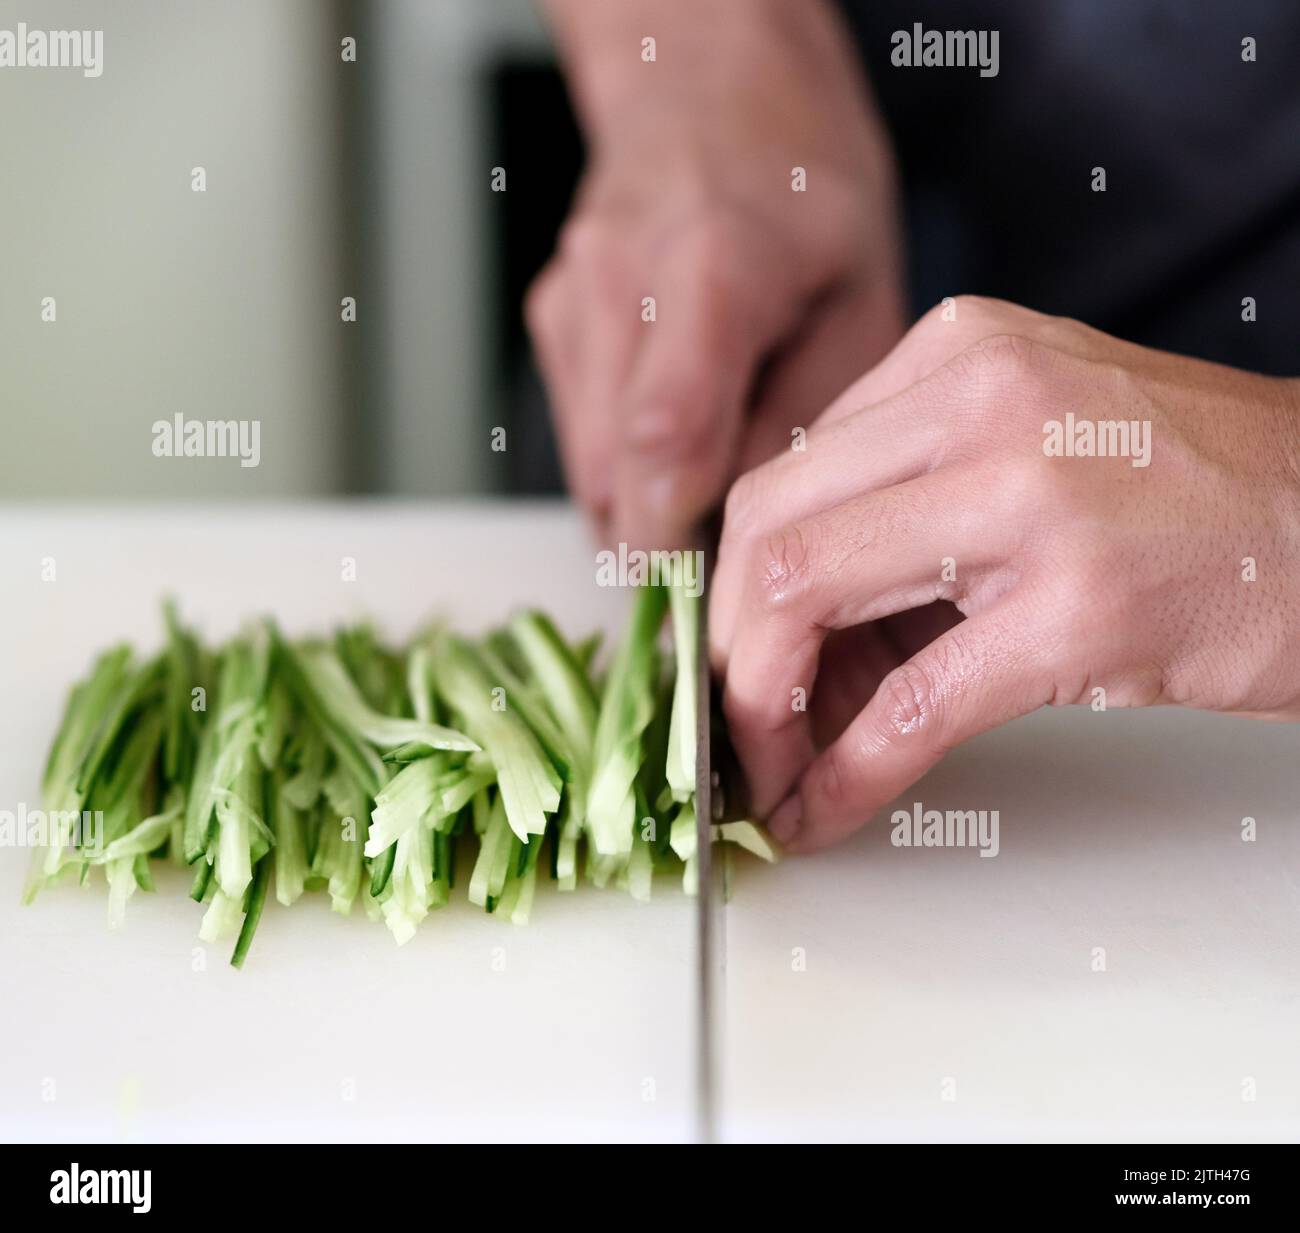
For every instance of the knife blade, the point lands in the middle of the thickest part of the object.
(709, 899)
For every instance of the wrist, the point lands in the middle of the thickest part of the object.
(720, 67)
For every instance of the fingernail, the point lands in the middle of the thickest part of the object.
(784, 823)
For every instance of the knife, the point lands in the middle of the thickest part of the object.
(709, 949)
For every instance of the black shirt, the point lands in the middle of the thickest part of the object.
(1201, 151)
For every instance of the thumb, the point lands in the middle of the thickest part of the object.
(982, 673)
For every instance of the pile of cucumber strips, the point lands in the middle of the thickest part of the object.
(380, 774)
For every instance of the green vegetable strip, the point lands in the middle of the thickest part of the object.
(584, 652)
(626, 709)
(381, 871)
(530, 705)
(253, 912)
(489, 873)
(362, 764)
(222, 917)
(347, 836)
(82, 718)
(750, 836)
(409, 798)
(139, 692)
(229, 742)
(286, 823)
(182, 677)
(568, 692)
(202, 880)
(529, 784)
(640, 870)
(343, 702)
(122, 796)
(475, 776)
(142, 839)
(419, 684)
(680, 770)
(304, 789)
(327, 767)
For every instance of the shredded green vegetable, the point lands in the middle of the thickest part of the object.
(360, 770)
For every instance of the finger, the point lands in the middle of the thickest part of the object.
(875, 555)
(579, 351)
(679, 418)
(901, 439)
(854, 661)
(986, 671)
(852, 327)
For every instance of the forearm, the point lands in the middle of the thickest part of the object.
(730, 61)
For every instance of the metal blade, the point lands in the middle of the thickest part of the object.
(709, 899)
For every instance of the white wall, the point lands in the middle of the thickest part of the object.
(435, 163)
(218, 305)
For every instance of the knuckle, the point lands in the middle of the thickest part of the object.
(975, 315)
(669, 425)
(928, 324)
(598, 255)
(999, 316)
(754, 720)
(786, 568)
(908, 700)
(1027, 483)
(541, 300)
(1002, 377)
(712, 245)
(710, 236)
(1066, 334)
(587, 240)
(1122, 386)
(739, 280)
(1003, 355)
(974, 309)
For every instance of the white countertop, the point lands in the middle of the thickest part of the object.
(925, 972)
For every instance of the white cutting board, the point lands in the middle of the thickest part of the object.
(578, 1026)
(944, 995)
(919, 967)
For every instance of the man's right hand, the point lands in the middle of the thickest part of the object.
(765, 299)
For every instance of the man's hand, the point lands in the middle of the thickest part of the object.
(957, 471)
(767, 300)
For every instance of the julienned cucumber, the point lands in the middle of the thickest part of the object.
(353, 768)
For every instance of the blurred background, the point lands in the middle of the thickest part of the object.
(373, 180)
(325, 179)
